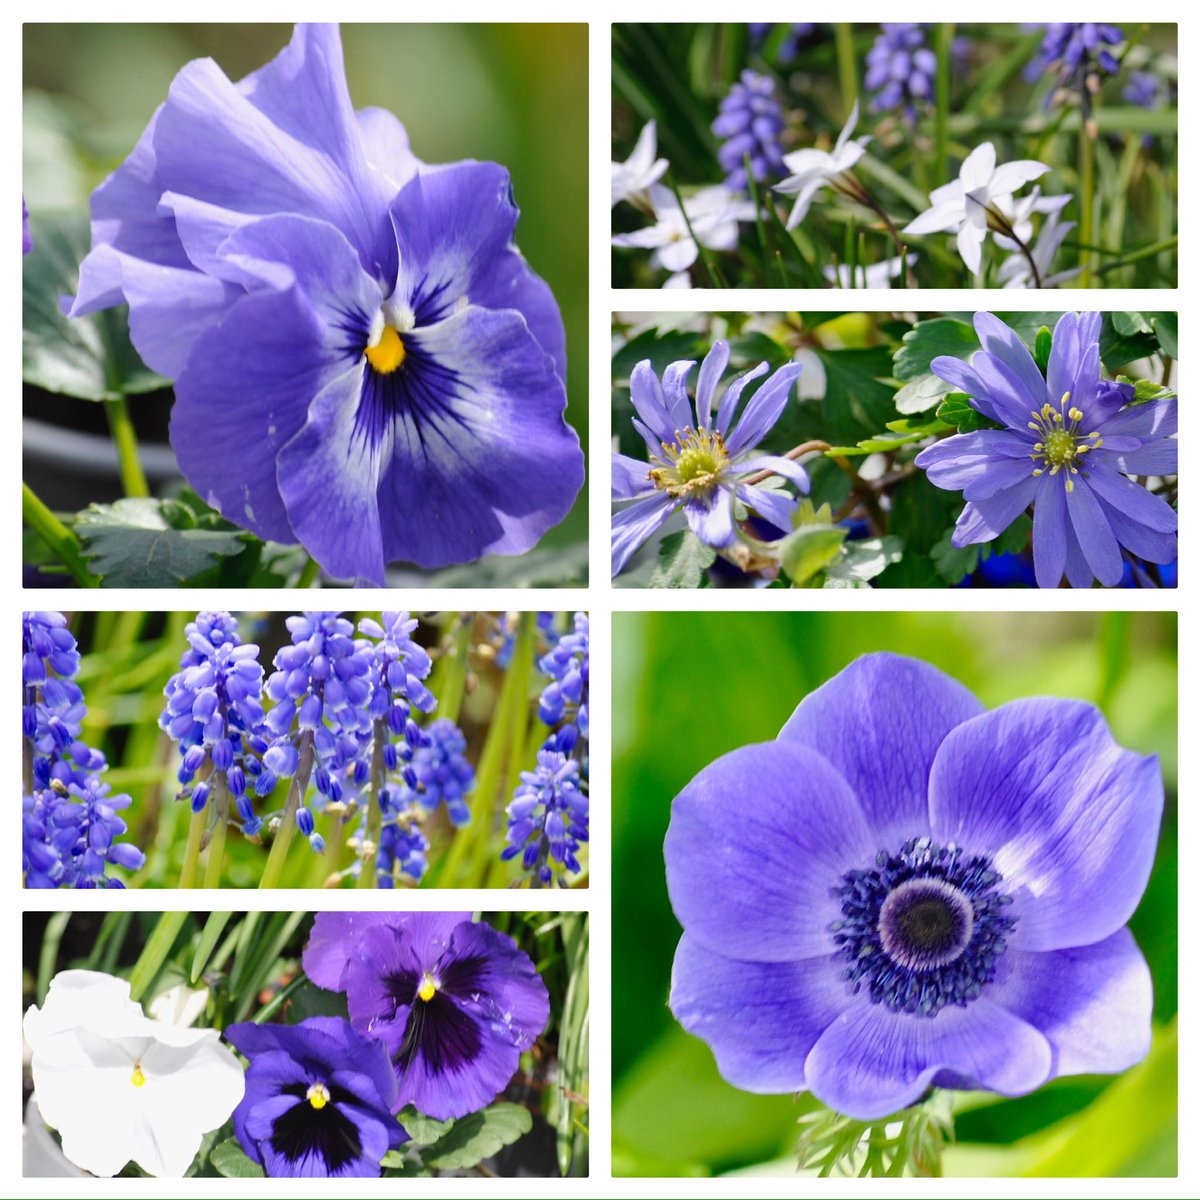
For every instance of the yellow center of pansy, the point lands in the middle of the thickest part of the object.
(387, 354)
(138, 1078)
(318, 1096)
(428, 987)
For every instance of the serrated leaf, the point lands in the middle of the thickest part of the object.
(682, 560)
(809, 549)
(1013, 540)
(423, 1130)
(1117, 348)
(478, 1136)
(90, 357)
(144, 542)
(229, 1159)
(921, 394)
(862, 561)
(956, 411)
(928, 340)
(953, 563)
(1147, 389)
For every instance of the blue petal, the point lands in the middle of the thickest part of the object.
(1095, 534)
(633, 525)
(984, 520)
(763, 409)
(1052, 534)
(711, 520)
(630, 478)
(646, 395)
(1004, 344)
(711, 370)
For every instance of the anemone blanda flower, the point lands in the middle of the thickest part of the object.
(974, 202)
(906, 891)
(118, 1086)
(363, 361)
(319, 1099)
(810, 170)
(632, 179)
(453, 1001)
(700, 465)
(1069, 444)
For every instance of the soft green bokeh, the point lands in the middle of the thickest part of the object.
(689, 687)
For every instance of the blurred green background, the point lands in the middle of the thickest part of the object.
(513, 94)
(689, 687)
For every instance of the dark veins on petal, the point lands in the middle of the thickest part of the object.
(444, 1036)
(325, 1132)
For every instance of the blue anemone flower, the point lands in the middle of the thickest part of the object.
(319, 1099)
(914, 892)
(1069, 444)
(363, 361)
(699, 463)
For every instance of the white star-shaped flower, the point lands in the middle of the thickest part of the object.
(963, 205)
(632, 178)
(118, 1086)
(713, 212)
(814, 169)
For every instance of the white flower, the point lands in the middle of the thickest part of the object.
(1015, 271)
(118, 1086)
(963, 205)
(877, 275)
(641, 169)
(713, 212)
(812, 170)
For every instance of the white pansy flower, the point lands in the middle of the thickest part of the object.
(975, 201)
(632, 178)
(811, 170)
(120, 1087)
(713, 212)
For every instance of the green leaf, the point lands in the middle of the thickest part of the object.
(752, 348)
(229, 1159)
(925, 426)
(921, 394)
(1042, 346)
(1147, 389)
(660, 348)
(154, 952)
(954, 563)
(928, 340)
(423, 1130)
(1117, 348)
(143, 542)
(876, 445)
(1166, 326)
(1130, 324)
(213, 928)
(89, 357)
(1013, 540)
(862, 561)
(810, 549)
(478, 1136)
(682, 560)
(957, 412)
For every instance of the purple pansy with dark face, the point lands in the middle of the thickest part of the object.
(363, 361)
(906, 891)
(453, 1001)
(701, 461)
(1069, 444)
(319, 1099)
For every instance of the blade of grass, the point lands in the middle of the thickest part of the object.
(154, 953)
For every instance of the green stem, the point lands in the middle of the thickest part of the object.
(370, 846)
(287, 825)
(56, 535)
(714, 279)
(1087, 187)
(280, 998)
(1138, 255)
(452, 670)
(847, 66)
(216, 847)
(191, 855)
(941, 113)
(120, 425)
(309, 575)
(325, 865)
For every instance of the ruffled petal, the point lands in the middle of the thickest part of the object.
(757, 841)
(760, 1019)
(1069, 817)
(880, 723)
(871, 1062)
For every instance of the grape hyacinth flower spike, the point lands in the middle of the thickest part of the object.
(363, 362)
(454, 1002)
(900, 70)
(916, 892)
(700, 465)
(749, 124)
(1068, 446)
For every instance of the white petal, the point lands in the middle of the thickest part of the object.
(677, 255)
(848, 128)
(179, 1005)
(947, 215)
(1010, 176)
(970, 244)
(803, 200)
(978, 166)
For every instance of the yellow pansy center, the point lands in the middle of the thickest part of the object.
(138, 1078)
(1062, 447)
(318, 1096)
(388, 353)
(691, 464)
(428, 988)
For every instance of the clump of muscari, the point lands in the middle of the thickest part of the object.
(900, 70)
(749, 124)
(69, 818)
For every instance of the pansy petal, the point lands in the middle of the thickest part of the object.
(871, 1062)
(512, 283)
(1093, 1003)
(385, 143)
(480, 447)
(633, 525)
(1069, 817)
(760, 1019)
(331, 944)
(880, 723)
(779, 814)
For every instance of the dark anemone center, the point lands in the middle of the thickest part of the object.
(327, 1133)
(922, 928)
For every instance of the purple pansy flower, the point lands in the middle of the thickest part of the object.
(454, 1001)
(319, 1099)
(1069, 444)
(698, 465)
(906, 891)
(363, 361)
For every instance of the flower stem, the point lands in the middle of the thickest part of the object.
(451, 670)
(794, 452)
(56, 535)
(120, 425)
(216, 847)
(191, 854)
(27, 765)
(1087, 187)
(941, 112)
(309, 575)
(847, 66)
(714, 279)
(287, 825)
(370, 846)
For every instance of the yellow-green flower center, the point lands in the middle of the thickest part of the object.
(1062, 446)
(138, 1077)
(318, 1096)
(691, 465)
